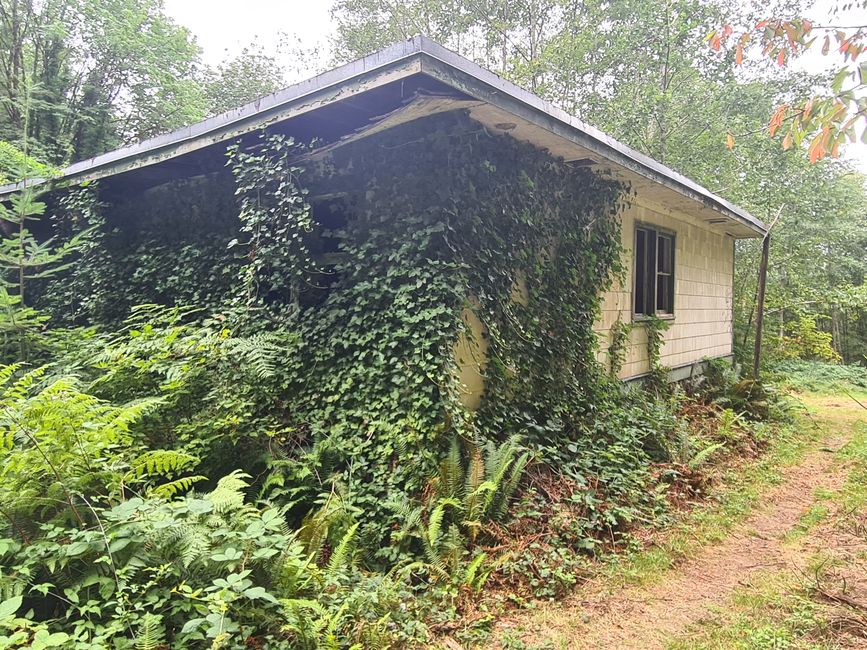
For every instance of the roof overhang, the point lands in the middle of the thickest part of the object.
(498, 104)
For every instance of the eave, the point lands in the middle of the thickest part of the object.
(496, 102)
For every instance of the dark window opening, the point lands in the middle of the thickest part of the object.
(331, 218)
(653, 292)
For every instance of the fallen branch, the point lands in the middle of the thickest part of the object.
(842, 599)
(855, 399)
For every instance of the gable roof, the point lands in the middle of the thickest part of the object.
(405, 81)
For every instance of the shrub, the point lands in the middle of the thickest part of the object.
(819, 376)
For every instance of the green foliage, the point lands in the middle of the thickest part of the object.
(655, 329)
(819, 376)
(100, 566)
(58, 444)
(25, 258)
(15, 165)
(221, 391)
(804, 341)
(465, 496)
(617, 349)
(274, 220)
(248, 76)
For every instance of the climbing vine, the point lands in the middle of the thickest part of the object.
(381, 252)
(655, 328)
(617, 349)
(275, 220)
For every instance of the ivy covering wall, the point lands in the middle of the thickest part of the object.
(371, 254)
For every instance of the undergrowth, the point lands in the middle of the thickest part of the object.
(287, 461)
(820, 376)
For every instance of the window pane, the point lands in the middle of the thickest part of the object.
(640, 271)
(664, 254)
(662, 294)
(654, 272)
(650, 274)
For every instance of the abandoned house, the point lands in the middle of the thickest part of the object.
(445, 188)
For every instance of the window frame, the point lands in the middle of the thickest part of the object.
(638, 316)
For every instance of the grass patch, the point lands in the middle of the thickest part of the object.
(741, 489)
(785, 610)
(772, 613)
(815, 515)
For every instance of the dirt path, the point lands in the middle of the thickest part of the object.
(648, 617)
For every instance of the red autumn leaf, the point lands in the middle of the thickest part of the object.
(739, 54)
(777, 118)
(781, 58)
(816, 151)
(792, 35)
(761, 24)
(806, 25)
(727, 31)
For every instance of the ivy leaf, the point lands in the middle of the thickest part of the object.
(77, 548)
(192, 624)
(9, 606)
(259, 593)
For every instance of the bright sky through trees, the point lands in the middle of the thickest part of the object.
(224, 27)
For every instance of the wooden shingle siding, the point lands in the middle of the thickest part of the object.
(702, 323)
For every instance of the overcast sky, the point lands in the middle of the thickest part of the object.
(224, 27)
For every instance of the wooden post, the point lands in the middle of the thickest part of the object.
(760, 308)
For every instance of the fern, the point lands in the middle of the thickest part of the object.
(434, 526)
(7, 371)
(510, 486)
(699, 458)
(474, 480)
(261, 353)
(161, 462)
(176, 487)
(150, 634)
(451, 471)
(317, 523)
(229, 493)
(341, 558)
(474, 575)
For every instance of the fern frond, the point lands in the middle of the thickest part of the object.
(161, 462)
(261, 353)
(475, 469)
(698, 459)
(436, 519)
(6, 372)
(510, 486)
(451, 472)
(472, 576)
(341, 558)
(176, 487)
(20, 388)
(150, 634)
(133, 412)
(229, 493)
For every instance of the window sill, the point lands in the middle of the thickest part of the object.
(639, 319)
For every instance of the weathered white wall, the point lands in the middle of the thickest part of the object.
(702, 323)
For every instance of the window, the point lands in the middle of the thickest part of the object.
(653, 292)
